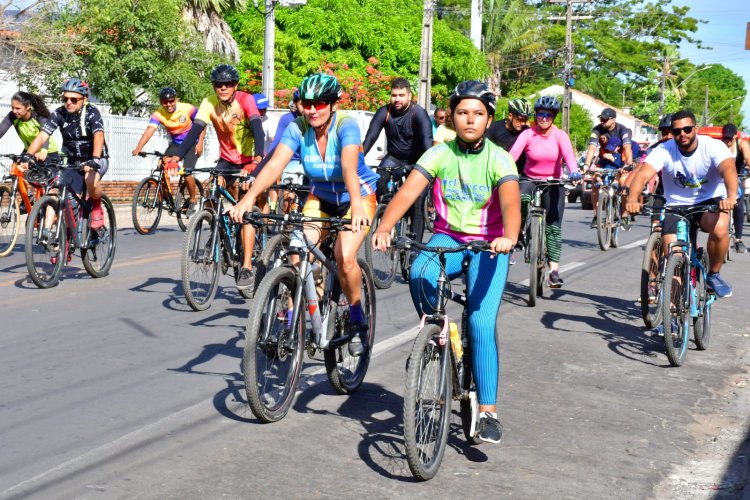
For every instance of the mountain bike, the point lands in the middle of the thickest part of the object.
(59, 224)
(652, 269)
(274, 253)
(436, 374)
(686, 297)
(535, 239)
(385, 264)
(212, 242)
(277, 334)
(154, 193)
(609, 208)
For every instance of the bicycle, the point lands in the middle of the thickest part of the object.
(59, 224)
(652, 269)
(386, 264)
(609, 208)
(16, 199)
(276, 334)
(154, 193)
(436, 375)
(535, 239)
(212, 241)
(274, 254)
(684, 290)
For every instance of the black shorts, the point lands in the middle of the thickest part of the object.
(225, 168)
(669, 226)
(188, 163)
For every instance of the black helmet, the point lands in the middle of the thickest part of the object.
(224, 73)
(473, 89)
(167, 93)
(547, 102)
(665, 121)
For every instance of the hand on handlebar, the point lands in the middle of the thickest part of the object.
(727, 205)
(502, 244)
(246, 204)
(575, 177)
(360, 222)
(381, 240)
(633, 207)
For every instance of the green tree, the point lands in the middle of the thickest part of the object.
(207, 18)
(125, 49)
(726, 91)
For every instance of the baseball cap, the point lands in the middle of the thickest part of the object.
(608, 113)
(729, 131)
(261, 101)
(613, 143)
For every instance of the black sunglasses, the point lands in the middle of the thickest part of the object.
(74, 100)
(218, 85)
(688, 130)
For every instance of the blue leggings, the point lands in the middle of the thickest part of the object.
(486, 278)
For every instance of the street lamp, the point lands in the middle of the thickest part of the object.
(724, 106)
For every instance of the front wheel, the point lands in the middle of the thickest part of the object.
(604, 220)
(676, 309)
(383, 264)
(101, 244)
(272, 357)
(427, 403)
(9, 215)
(147, 206)
(46, 242)
(429, 211)
(535, 242)
(650, 281)
(200, 261)
(702, 324)
(346, 372)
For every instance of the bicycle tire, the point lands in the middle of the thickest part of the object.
(273, 251)
(651, 312)
(272, 356)
(97, 260)
(535, 250)
(427, 403)
(616, 221)
(746, 201)
(702, 324)
(45, 261)
(345, 372)
(541, 264)
(674, 307)
(10, 214)
(383, 264)
(603, 220)
(261, 240)
(467, 385)
(204, 261)
(182, 202)
(428, 211)
(147, 206)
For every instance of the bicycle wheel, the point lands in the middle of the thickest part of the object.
(346, 372)
(650, 283)
(428, 211)
(675, 309)
(383, 264)
(98, 257)
(200, 261)
(147, 206)
(272, 255)
(746, 201)
(604, 220)
(534, 242)
(272, 357)
(182, 202)
(468, 385)
(616, 220)
(9, 215)
(541, 263)
(702, 324)
(46, 250)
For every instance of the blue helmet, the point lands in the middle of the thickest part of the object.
(547, 102)
(261, 101)
(76, 85)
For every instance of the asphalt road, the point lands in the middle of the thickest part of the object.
(113, 388)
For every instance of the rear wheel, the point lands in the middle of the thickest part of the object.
(650, 283)
(272, 357)
(147, 206)
(427, 403)
(616, 220)
(702, 324)
(383, 264)
(9, 216)
(536, 252)
(604, 220)
(100, 253)
(46, 247)
(200, 261)
(429, 211)
(675, 309)
(346, 372)
(468, 386)
(182, 202)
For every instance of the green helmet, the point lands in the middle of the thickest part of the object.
(320, 87)
(519, 107)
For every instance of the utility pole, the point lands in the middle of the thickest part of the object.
(568, 69)
(425, 56)
(269, 42)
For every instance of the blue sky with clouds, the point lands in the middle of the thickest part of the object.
(725, 33)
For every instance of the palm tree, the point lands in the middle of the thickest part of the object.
(207, 18)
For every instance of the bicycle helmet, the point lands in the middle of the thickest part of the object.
(473, 89)
(547, 102)
(77, 86)
(167, 93)
(224, 73)
(519, 107)
(665, 122)
(320, 87)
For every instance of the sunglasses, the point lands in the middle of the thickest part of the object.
(604, 120)
(168, 101)
(318, 105)
(545, 115)
(74, 100)
(228, 85)
(688, 130)
(521, 118)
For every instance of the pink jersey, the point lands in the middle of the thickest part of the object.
(544, 154)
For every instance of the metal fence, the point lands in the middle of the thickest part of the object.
(122, 134)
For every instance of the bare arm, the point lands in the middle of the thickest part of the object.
(627, 154)
(266, 178)
(639, 179)
(147, 134)
(590, 152)
(39, 141)
(510, 204)
(745, 148)
(405, 197)
(728, 172)
(349, 164)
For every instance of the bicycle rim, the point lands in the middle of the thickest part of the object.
(9, 216)
(603, 220)
(702, 324)
(383, 264)
(272, 357)
(535, 251)
(650, 281)
(427, 404)
(616, 221)
(147, 206)
(675, 310)
(46, 251)
(98, 257)
(200, 261)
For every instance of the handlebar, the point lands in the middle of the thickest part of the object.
(682, 212)
(296, 219)
(144, 154)
(297, 188)
(403, 242)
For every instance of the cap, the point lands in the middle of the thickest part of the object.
(613, 143)
(608, 113)
(729, 131)
(261, 101)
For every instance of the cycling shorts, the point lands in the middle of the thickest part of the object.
(315, 207)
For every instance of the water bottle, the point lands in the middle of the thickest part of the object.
(682, 230)
(456, 344)
(391, 186)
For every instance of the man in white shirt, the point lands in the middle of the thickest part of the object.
(269, 124)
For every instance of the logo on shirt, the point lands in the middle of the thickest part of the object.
(183, 119)
(688, 182)
(453, 190)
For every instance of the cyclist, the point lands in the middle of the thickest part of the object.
(341, 184)
(438, 118)
(741, 151)
(82, 131)
(177, 118)
(444, 132)
(656, 186)
(504, 133)
(269, 123)
(477, 194)
(546, 147)
(696, 170)
(239, 129)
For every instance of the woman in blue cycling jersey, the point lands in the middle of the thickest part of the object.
(476, 198)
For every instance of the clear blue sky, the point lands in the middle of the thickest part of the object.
(725, 33)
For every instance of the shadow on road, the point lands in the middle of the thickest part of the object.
(737, 476)
(175, 300)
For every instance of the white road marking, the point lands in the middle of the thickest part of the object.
(563, 268)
